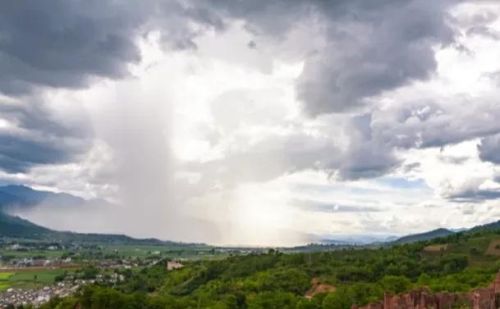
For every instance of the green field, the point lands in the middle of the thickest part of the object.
(41, 276)
(111, 251)
(27, 279)
(5, 276)
(31, 253)
(4, 280)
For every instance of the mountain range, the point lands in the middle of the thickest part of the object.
(11, 226)
(441, 232)
(23, 196)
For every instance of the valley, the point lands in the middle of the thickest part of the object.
(49, 269)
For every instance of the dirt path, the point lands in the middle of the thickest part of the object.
(494, 248)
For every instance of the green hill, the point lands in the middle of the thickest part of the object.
(337, 279)
(22, 196)
(487, 227)
(18, 228)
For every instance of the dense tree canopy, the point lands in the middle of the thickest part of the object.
(278, 280)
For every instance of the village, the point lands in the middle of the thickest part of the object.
(37, 296)
(34, 273)
(21, 297)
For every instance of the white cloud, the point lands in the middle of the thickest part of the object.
(213, 144)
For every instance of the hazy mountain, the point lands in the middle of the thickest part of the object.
(442, 232)
(424, 236)
(16, 227)
(22, 196)
(354, 239)
(486, 227)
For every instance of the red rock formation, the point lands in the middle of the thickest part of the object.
(317, 288)
(483, 298)
(496, 284)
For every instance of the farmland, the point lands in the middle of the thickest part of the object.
(28, 278)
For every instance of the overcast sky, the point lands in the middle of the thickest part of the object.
(252, 121)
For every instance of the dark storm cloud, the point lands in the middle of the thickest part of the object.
(484, 31)
(368, 155)
(489, 149)
(372, 49)
(474, 195)
(372, 46)
(65, 43)
(33, 137)
(430, 123)
(18, 154)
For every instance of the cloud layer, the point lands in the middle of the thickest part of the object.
(241, 116)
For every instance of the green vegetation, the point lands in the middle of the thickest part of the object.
(278, 280)
(4, 280)
(5, 276)
(43, 276)
(29, 279)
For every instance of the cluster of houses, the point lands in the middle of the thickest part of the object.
(34, 262)
(36, 297)
(20, 297)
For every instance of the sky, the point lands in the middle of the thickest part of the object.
(254, 122)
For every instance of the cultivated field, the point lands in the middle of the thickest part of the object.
(28, 278)
(436, 248)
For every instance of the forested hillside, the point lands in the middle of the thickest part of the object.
(336, 279)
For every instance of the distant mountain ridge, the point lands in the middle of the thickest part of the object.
(354, 239)
(441, 232)
(486, 227)
(16, 227)
(22, 196)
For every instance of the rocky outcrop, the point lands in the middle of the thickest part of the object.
(483, 298)
(317, 287)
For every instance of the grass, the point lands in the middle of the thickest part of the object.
(31, 253)
(5, 276)
(176, 252)
(4, 285)
(4, 280)
(41, 276)
(28, 279)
